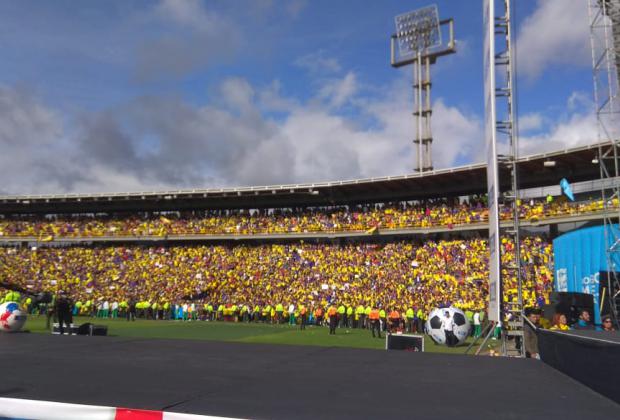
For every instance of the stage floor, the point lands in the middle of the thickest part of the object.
(284, 382)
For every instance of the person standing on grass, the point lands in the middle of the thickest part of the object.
(448, 328)
(318, 316)
(63, 311)
(342, 310)
(332, 313)
(291, 314)
(410, 319)
(131, 309)
(303, 314)
(366, 319)
(375, 323)
(359, 317)
(477, 324)
(383, 318)
(348, 322)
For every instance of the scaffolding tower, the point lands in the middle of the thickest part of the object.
(501, 131)
(605, 42)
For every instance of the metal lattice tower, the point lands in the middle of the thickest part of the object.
(605, 42)
(506, 127)
(418, 36)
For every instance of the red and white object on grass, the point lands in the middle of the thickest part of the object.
(12, 318)
(15, 408)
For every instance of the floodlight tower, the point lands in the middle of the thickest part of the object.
(418, 35)
(605, 42)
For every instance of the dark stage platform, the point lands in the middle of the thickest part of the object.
(284, 382)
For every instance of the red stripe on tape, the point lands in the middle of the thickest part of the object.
(132, 414)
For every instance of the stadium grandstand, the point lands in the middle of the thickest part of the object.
(405, 243)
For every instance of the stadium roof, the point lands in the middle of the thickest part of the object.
(575, 164)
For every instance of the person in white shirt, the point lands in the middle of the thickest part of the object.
(477, 325)
(448, 328)
(291, 314)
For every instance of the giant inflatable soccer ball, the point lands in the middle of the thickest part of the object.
(12, 319)
(436, 320)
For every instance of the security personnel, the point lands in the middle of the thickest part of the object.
(348, 322)
(279, 312)
(373, 318)
(359, 317)
(365, 321)
(303, 313)
(383, 317)
(332, 313)
(27, 305)
(63, 311)
(318, 316)
(410, 315)
(394, 319)
(342, 319)
(210, 312)
(419, 320)
(12, 296)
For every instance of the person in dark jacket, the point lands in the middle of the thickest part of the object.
(62, 308)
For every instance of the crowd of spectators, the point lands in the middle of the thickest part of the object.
(404, 215)
(398, 276)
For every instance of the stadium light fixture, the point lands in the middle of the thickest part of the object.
(595, 160)
(549, 163)
(418, 30)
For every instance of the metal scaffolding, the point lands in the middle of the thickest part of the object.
(605, 42)
(501, 129)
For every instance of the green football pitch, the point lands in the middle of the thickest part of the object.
(242, 333)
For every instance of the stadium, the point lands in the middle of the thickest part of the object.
(263, 301)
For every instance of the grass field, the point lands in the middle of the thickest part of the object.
(241, 332)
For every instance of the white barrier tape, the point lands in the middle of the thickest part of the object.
(15, 408)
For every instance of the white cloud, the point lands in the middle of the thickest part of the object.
(238, 93)
(529, 122)
(187, 12)
(338, 92)
(318, 63)
(184, 37)
(557, 33)
(575, 126)
(155, 143)
(270, 98)
(458, 136)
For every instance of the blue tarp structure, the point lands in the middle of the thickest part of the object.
(579, 258)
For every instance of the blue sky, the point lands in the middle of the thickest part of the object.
(143, 95)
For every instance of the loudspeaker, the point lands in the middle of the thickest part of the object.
(569, 304)
(84, 329)
(100, 330)
(407, 342)
(91, 329)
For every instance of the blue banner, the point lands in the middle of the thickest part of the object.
(579, 257)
